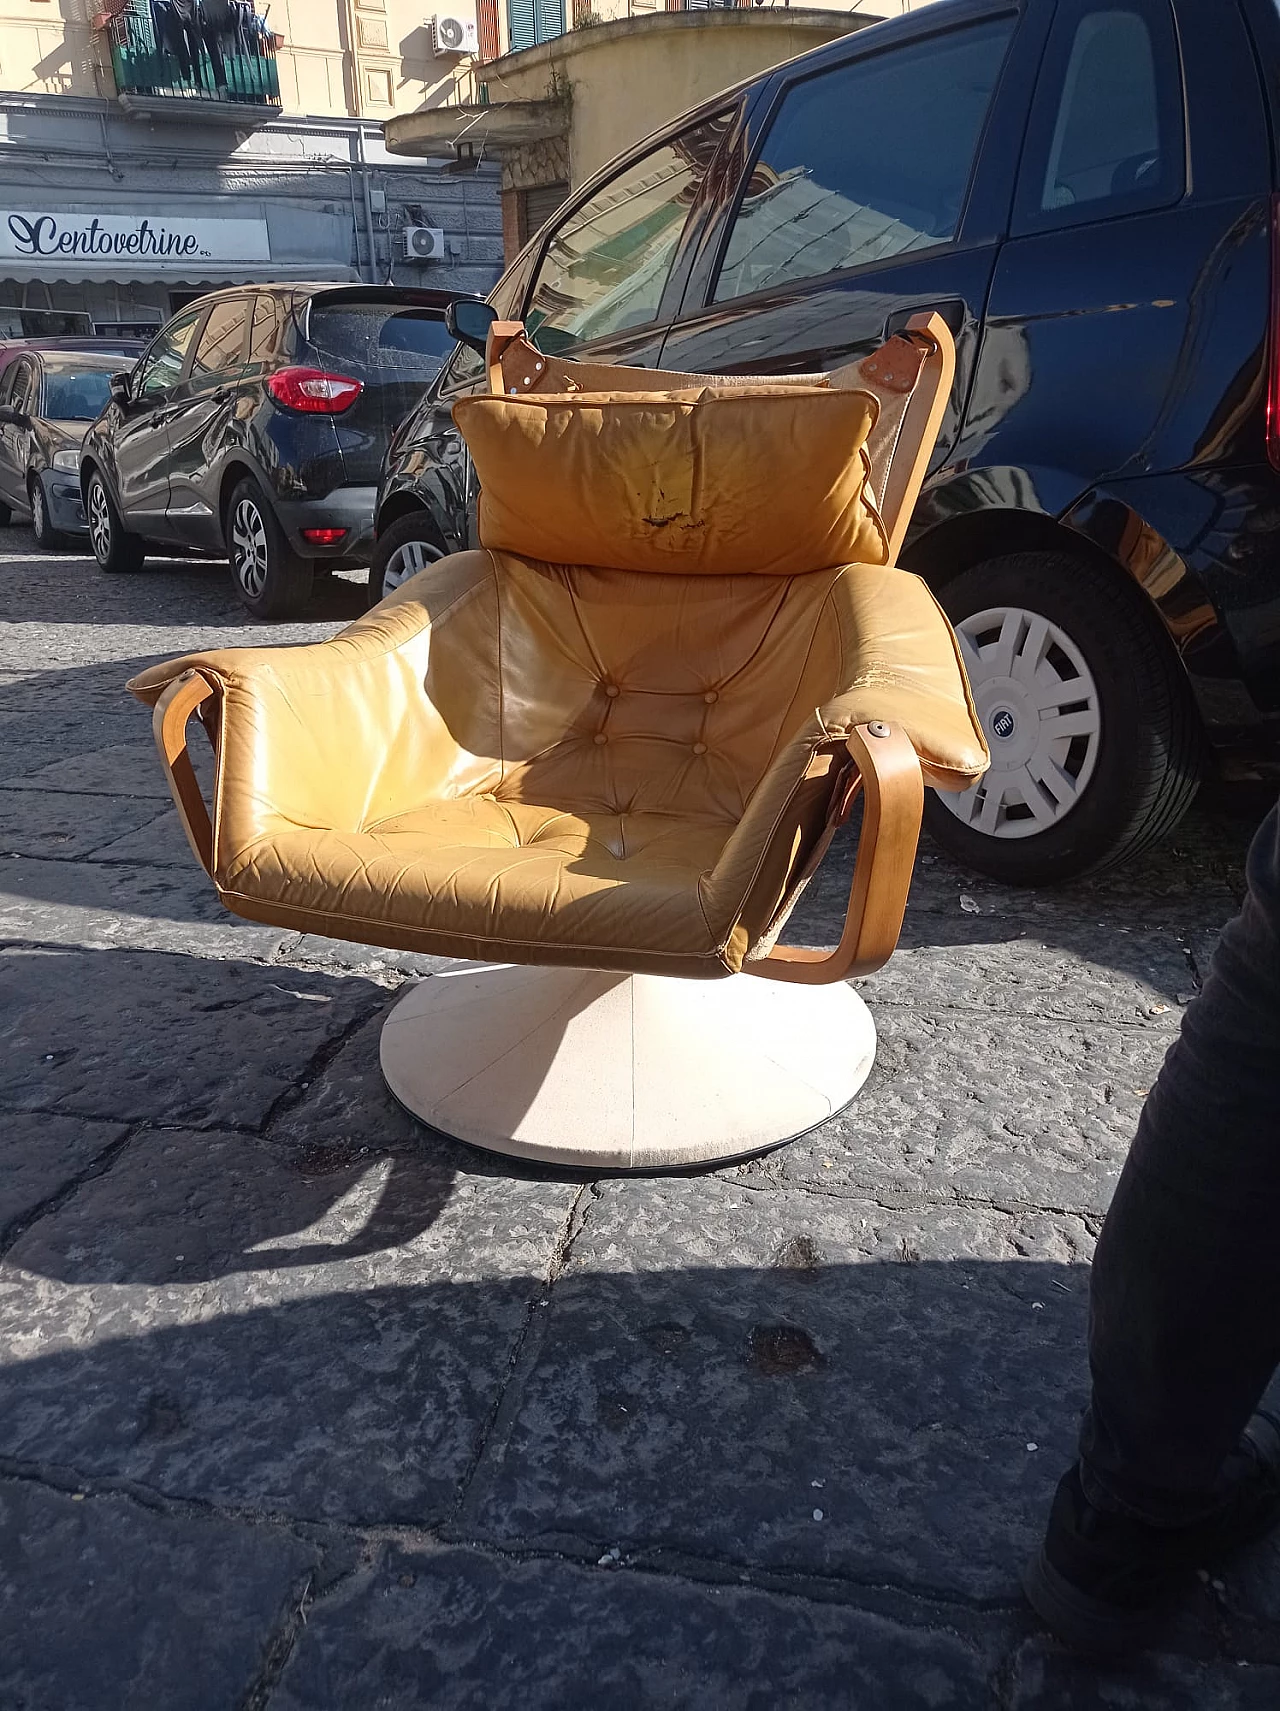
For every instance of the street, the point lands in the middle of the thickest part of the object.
(304, 1407)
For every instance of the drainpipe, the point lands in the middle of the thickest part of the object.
(368, 206)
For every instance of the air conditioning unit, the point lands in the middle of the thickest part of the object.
(453, 35)
(424, 243)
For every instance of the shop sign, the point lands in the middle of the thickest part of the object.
(28, 235)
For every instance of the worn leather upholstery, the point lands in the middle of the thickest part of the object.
(515, 758)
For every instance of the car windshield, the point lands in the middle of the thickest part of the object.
(71, 396)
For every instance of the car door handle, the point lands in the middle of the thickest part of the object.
(952, 309)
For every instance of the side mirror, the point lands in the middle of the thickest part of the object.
(120, 390)
(469, 319)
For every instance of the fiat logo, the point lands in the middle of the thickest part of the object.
(1002, 724)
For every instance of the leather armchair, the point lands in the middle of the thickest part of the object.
(616, 741)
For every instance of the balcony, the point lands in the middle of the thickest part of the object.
(168, 69)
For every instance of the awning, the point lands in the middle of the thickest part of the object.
(55, 272)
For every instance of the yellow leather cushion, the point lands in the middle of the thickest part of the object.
(769, 481)
(515, 761)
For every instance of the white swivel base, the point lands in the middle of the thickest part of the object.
(624, 1072)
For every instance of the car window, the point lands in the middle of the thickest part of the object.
(1107, 131)
(864, 162)
(161, 368)
(606, 264)
(222, 339)
(264, 336)
(75, 397)
(23, 396)
(6, 383)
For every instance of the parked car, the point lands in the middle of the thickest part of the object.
(254, 425)
(47, 400)
(1086, 191)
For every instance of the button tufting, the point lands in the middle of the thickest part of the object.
(611, 689)
(699, 748)
(600, 738)
(710, 697)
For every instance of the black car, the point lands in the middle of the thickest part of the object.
(1086, 191)
(47, 400)
(255, 425)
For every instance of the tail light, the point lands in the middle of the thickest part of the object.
(1273, 343)
(313, 391)
(324, 537)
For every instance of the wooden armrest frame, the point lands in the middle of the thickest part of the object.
(501, 335)
(893, 798)
(185, 695)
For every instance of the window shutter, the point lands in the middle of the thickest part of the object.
(487, 28)
(522, 28)
(550, 19)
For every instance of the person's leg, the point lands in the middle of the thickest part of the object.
(1185, 1294)
(1185, 1310)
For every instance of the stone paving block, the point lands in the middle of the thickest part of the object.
(1003, 966)
(134, 906)
(1007, 1110)
(460, 1631)
(60, 824)
(162, 843)
(320, 1332)
(118, 769)
(105, 1606)
(800, 1384)
(40, 1155)
(1049, 1679)
(146, 1036)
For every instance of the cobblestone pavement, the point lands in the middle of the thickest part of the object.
(305, 1408)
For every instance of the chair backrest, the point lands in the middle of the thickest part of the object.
(910, 377)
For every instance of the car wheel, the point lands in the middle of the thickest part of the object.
(402, 551)
(6, 516)
(115, 549)
(1095, 742)
(46, 535)
(270, 578)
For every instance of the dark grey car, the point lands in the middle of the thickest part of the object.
(47, 401)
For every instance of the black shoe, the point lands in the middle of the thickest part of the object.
(1101, 1581)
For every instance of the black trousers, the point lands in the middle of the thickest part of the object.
(1185, 1299)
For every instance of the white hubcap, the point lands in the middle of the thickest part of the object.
(249, 547)
(1039, 707)
(407, 561)
(99, 521)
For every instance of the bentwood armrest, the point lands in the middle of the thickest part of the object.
(185, 696)
(893, 801)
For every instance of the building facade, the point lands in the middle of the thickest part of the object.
(152, 150)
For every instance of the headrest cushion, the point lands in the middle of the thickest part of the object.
(768, 480)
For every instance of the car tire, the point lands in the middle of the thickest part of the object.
(407, 547)
(1097, 748)
(47, 537)
(271, 580)
(116, 550)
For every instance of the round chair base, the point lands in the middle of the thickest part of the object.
(624, 1072)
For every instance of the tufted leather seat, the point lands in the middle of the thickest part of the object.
(618, 736)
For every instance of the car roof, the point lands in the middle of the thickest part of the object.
(81, 362)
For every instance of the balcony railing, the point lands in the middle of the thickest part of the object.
(156, 52)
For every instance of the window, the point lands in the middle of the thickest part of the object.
(532, 21)
(161, 368)
(866, 162)
(221, 347)
(268, 322)
(1106, 134)
(71, 396)
(378, 339)
(606, 264)
(23, 396)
